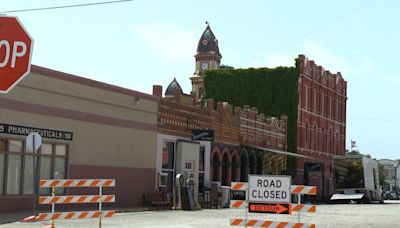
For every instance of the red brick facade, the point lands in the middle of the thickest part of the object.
(241, 135)
(321, 125)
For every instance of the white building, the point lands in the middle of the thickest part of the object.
(391, 171)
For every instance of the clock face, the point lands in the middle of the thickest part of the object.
(204, 42)
(204, 66)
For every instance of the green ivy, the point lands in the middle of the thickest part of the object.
(272, 90)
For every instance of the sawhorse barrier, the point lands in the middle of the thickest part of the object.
(75, 199)
(294, 189)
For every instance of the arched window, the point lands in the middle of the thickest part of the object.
(215, 164)
(253, 164)
(225, 170)
(260, 163)
(244, 164)
(234, 168)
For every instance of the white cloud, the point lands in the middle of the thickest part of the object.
(172, 42)
(393, 80)
(324, 57)
(274, 60)
(356, 65)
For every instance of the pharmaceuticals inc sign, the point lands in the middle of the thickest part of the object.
(45, 133)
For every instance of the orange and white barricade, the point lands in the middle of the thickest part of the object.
(269, 224)
(294, 189)
(75, 199)
(305, 190)
(305, 208)
(238, 186)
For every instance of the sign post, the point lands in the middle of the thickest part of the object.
(33, 143)
(15, 52)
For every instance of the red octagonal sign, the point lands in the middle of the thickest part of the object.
(15, 52)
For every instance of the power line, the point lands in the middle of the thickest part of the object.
(379, 142)
(323, 25)
(373, 119)
(65, 6)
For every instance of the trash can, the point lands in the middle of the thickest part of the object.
(225, 196)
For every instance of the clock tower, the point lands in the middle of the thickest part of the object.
(208, 57)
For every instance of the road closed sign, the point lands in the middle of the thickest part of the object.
(269, 189)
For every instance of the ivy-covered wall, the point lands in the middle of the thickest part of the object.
(272, 90)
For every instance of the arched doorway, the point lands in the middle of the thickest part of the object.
(225, 171)
(234, 168)
(244, 164)
(253, 163)
(215, 164)
(260, 163)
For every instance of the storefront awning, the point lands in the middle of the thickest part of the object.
(280, 152)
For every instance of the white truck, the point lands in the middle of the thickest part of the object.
(357, 179)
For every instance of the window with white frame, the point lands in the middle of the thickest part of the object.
(16, 165)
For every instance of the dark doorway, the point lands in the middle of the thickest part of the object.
(260, 164)
(244, 164)
(234, 169)
(225, 171)
(215, 162)
(253, 164)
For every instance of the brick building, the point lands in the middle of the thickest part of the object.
(245, 141)
(321, 124)
(321, 112)
(243, 138)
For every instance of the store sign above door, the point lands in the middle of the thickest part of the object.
(203, 135)
(45, 133)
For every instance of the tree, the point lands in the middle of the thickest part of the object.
(357, 152)
(382, 181)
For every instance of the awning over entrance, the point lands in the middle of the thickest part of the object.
(279, 151)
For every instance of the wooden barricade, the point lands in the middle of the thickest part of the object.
(76, 199)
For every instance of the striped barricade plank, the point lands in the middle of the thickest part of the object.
(238, 204)
(239, 186)
(302, 189)
(77, 183)
(76, 199)
(270, 224)
(305, 208)
(74, 215)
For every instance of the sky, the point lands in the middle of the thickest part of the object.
(140, 43)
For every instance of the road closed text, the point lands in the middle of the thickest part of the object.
(263, 192)
(269, 189)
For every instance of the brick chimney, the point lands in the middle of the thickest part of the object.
(157, 90)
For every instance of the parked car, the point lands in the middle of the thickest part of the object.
(393, 195)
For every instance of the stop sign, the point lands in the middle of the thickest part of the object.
(15, 52)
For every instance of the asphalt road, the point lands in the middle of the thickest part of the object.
(341, 215)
